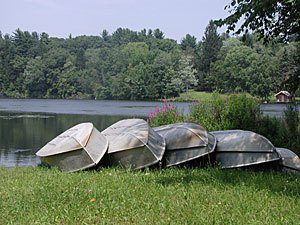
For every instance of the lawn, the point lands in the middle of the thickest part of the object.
(37, 195)
(206, 96)
(197, 96)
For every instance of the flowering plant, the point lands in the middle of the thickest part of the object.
(166, 114)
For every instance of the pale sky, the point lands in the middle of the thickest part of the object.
(59, 18)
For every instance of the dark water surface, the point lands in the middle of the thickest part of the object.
(83, 107)
(276, 110)
(26, 125)
(22, 135)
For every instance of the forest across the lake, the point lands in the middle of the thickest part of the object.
(144, 65)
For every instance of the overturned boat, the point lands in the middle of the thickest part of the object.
(133, 144)
(78, 148)
(239, 148)
(289, 160)
(185, 142)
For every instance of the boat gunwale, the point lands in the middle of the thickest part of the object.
(248, 164)
(190, 159)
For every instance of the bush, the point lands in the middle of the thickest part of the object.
(282, 132)
(237, 111)
(164, 115)
(273, 129)
(210, 114)
(242, 111)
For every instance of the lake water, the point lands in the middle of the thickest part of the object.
(28, 124)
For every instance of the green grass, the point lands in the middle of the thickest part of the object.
(195, 96)
(198, 96)
(207, 96)
(170, 196)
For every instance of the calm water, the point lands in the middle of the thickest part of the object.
(21, 135)
(27, 125)
(83, 107)
(275, 109)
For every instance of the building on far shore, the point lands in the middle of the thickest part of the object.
(283, 96)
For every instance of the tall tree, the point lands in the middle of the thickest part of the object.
(242, 69)
(189, 43)
(289, 67)
(105, 35)
(270, 18)
(187, 73)
(35, 80)
(210, 47)
(158, 34)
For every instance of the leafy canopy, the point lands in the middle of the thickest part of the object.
(270, 18)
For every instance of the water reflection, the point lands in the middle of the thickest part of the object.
(21, 135)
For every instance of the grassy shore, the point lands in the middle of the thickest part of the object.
(170, 196)
(196, 96)
(206, 96)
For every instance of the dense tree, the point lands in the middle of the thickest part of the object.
(105, 35)
(142, 65)
(157, 33)
(187, 74)
(289, 66)
(35, 80)
(68, 83)
(270, 18)
(242, 69)
(210, 47)
(189, 43)
(123, 36)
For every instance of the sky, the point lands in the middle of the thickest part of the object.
(59, 18)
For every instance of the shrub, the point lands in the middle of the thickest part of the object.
(242, 111)
(210, 114)
(237, 111)
(272, 128)
(164, 115)
(282, 132)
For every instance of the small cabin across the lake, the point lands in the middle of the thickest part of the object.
(283, 96)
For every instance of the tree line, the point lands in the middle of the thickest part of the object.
(143, 65)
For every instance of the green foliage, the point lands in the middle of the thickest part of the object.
(189, 44)
(187, 75)
(171, 196)
(142, 65)
(240, 111)
(292, 126)
(197, 96)
(272, 18)
(209, 49)
(157, 33)
(227, 112)
(210, 114)
(289, 66)
(283, 132)
(242, 69)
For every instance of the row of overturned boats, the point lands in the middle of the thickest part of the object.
(133, 144)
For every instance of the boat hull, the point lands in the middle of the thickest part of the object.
(185, 142)
(133, 144)
(69, 153)
(289, 160)
(238, 148)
